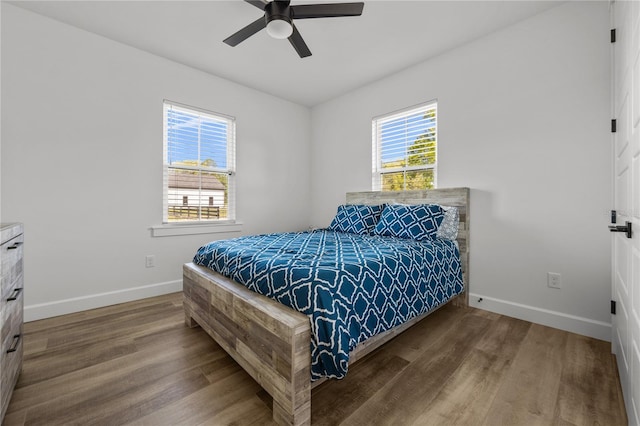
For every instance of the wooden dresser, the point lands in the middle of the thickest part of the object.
(10, 311)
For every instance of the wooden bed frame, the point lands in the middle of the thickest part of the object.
(272, 341)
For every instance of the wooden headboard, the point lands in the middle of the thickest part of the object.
(456, 197)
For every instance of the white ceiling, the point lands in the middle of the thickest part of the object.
(347, 52)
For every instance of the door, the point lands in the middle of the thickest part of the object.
(625, 339)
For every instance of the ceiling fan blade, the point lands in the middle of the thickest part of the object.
(246, 32)
(260, 4)
(298, 43)
(306, 11)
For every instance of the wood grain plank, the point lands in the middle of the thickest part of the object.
(56, 323)
(95, 343)
(104, 406)
(251, 411)
(109, 326)
(206, 404)
(469, 392)
(58, 362)
(587, 394)
(335, 400)
(528, 393)
(157, 358)
(414, 341)
(402, 400)
(220, 369)
(15, 418)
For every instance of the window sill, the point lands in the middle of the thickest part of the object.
(171, 230)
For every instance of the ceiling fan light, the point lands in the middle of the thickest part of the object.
(279, 28)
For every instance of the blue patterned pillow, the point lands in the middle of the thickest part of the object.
(356, 219)
(417, 222)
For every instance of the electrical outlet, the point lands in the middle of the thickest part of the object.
(150, 261)
(554, 280)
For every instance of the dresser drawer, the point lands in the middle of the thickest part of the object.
(12, 266)
(11, 309)
(12, 345)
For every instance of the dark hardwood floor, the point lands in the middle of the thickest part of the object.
(137, 363)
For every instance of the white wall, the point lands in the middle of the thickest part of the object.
(523, 121)
(82, 123)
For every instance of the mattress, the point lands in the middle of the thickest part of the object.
(351, 286)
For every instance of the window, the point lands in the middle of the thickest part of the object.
(199, 165)
(404, 149)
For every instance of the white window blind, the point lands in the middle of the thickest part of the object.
(199, 165)
(404, 149)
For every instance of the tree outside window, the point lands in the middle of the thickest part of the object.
(405, 149)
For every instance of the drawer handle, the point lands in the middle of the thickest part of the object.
(16, 292)
(15, 245)
(16, 342)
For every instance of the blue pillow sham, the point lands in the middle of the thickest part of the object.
(356, 218)
(418, 222)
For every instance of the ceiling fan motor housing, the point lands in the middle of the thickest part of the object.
(277, 10)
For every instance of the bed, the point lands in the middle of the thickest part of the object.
(272, 341)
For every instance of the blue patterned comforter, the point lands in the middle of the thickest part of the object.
(351, 286)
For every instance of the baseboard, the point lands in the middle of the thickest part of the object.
(83, 303)
(579, 325)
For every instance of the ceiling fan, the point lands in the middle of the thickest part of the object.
(278, 20)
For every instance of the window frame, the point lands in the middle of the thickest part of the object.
(206, 224)
(376, 124)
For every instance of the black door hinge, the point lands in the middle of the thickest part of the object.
(613, 307)
(613, 35)
(613, 125)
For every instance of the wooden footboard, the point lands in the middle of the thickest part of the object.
(269, 340)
